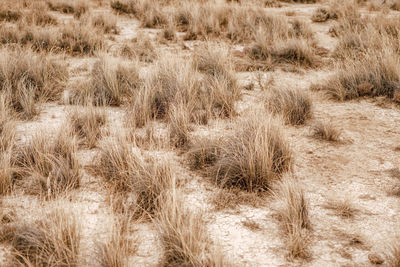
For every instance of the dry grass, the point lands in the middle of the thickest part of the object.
(27, 78)
(254, 156)
(184, 235)
(49, 166)
(179, 126)
(393, 254)
(323, 14)
(203, 153)
(106, 22)
(7, 134)
(265, 55)
(141, 48)
(77, 7)
(51, 241)
(233, 198)
(116, 250)
(293, 214)
(220, 79)
(325, 131)
(129, 174)
(294, 105)
(342, 207)
(72, 38)
(87, 124)
(111, 83)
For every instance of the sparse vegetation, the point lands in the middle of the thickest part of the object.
(294, 105)
(325, 131)
(184, 236)
(27, 78)
(294, 217)
(128, 174)
(53, 240)
(254, 156)
(50, 167)
(87, 124)
(343, 207)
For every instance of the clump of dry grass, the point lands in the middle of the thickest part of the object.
(7, 133)
(325, 131)
(393, 254)
(39, 16)
(294, 105)
(87, 124)
(184, 235)
(51, 241)
(116, 250)
(8, 14)
(233, 198)
(343, 207)
(128, 174)
(323, 14)
(50, 166)
(106, 22)
(293, 214)
(27, 78)
(203, 153)
(77, 7)
(141, 48)
(375, 75)
(291, 51)
(179, 125)
(110, 83)
(168, 82)
(72, 38)
(254, 156)
(220, 79)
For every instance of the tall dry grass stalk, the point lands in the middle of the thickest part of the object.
(184, 235)
(293, 214)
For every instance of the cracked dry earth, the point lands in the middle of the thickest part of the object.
(359, 168)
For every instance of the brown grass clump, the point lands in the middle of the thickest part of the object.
(87, 124)
(325, 131)
(342, 207)
(184, 235)
(293, 51)
(50, 166)
(51, 241)
(141, 48)
(110, 83)
(294, 105)
(106, 22)
(72, 38)
(254, 156)
(376, 75)
(179, 125)
(77, 7)
(116, 250)
(293, 213)
(323, 14)
(168, 82)
(393, 254)
(203, 153)
(220, 82)
(128, 174)
(39, 16)
(8, 14)
(27, 78)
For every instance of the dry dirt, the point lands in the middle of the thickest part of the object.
(357, 168)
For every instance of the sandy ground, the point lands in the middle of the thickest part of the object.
(357, 168)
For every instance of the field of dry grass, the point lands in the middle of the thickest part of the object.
(200, 133)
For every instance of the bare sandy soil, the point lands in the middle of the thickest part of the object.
(358, 168)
